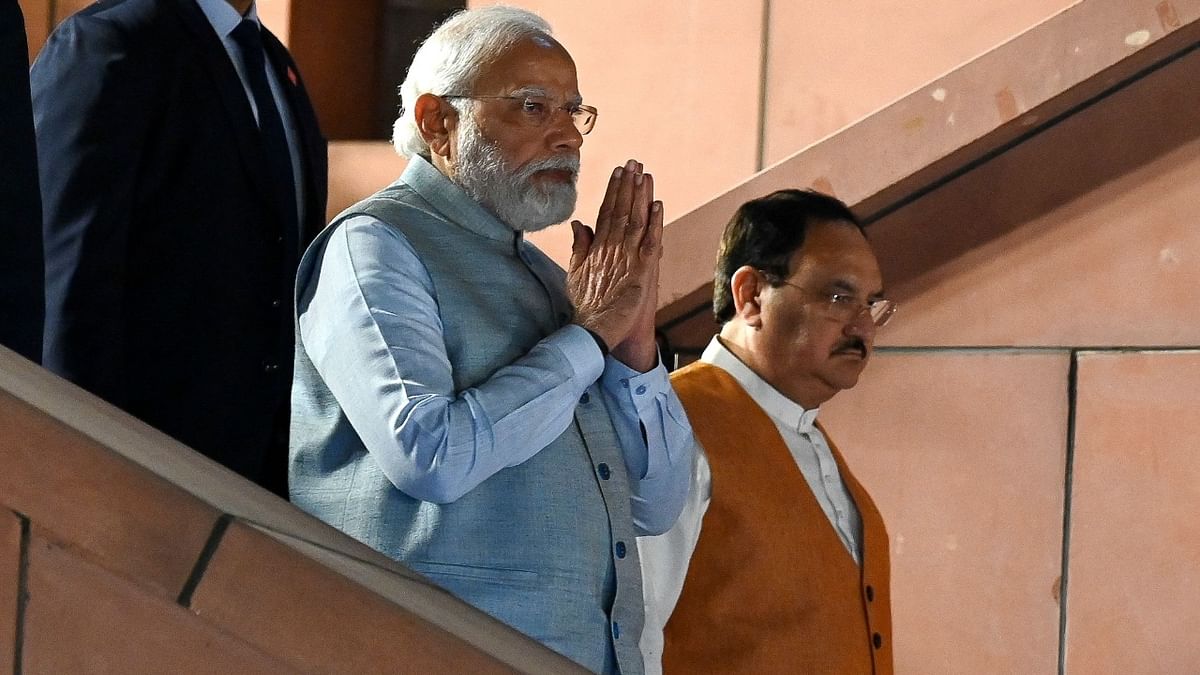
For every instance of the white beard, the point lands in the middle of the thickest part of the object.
(512, 195)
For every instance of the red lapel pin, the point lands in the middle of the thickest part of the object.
(293, 77)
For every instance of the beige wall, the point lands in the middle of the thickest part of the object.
(1027, 427)
(1135, 556)
(832, 63)
(678, 87)
(680, 83)
(1045, 353)
(1032, 412)
(122, 551)
(970, 483)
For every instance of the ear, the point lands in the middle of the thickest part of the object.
(436, 120)
(745, 286)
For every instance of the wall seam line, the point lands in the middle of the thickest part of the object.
(1012, 349)
(22, 596)
(1068, 484)
(206, 555)
(763, 63)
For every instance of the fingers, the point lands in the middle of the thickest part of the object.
(614, 211)
(639, 213)
(652, 243)
(609, 204)
(581, 243)
(623, 201)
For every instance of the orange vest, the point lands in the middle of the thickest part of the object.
(771, 587)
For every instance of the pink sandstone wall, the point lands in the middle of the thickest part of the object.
(705, 92)
(970, 483)
(1046, 356)
(122, 551)
(1135, 556)
(1081, 246)
(1027, 426)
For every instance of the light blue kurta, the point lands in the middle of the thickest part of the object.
(446, 413)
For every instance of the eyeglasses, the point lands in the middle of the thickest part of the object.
(844, 307)
(536, 111)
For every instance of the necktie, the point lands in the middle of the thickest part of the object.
(270, 124)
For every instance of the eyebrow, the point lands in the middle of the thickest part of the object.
(530, 91)
(538, 91)
(841, 285)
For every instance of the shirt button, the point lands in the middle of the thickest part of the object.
(584, 399)
(617, 631)
(620, 548)
(870, 594)
(877, 640)
(624, 383)
(605, 474)
(640, 390)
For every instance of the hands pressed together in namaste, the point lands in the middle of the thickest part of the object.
(612, 278)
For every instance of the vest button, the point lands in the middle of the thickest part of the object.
(877, 640)
(605, 474)
(620, 548)
(870, 594)
(583, 400)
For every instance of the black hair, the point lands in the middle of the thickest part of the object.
(765, 232)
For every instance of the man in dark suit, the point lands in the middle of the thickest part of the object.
(182, 174)
(21, 302)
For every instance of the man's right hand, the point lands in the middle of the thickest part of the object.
(612, 272)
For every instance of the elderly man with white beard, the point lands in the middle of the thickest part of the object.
(463, 405)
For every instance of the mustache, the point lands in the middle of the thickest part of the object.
(560, 163)
(854, 344)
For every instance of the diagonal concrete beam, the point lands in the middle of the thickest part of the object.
(990, 104)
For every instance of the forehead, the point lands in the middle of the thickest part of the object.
(540, 63)
(837, 253)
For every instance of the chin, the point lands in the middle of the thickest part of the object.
(846, 378)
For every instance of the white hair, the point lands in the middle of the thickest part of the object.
(510, 193)
(452, 57)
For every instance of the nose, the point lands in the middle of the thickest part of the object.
(564, 135)
(862, 326)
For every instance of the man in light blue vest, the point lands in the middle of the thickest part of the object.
(460, 403)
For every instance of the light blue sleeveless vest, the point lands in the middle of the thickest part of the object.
(535, 545)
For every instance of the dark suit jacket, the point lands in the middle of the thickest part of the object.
(21, 302)
(168, 266)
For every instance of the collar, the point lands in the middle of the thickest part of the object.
(223, 17)
(780, 408)
(451, 201)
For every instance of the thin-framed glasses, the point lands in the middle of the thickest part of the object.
(843, 306)
(536, 111)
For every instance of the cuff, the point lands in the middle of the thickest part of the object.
(581, 351)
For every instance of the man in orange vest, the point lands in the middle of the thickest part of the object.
(779, 563)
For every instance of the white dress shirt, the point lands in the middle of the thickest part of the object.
(665, 557)
(224, 19)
